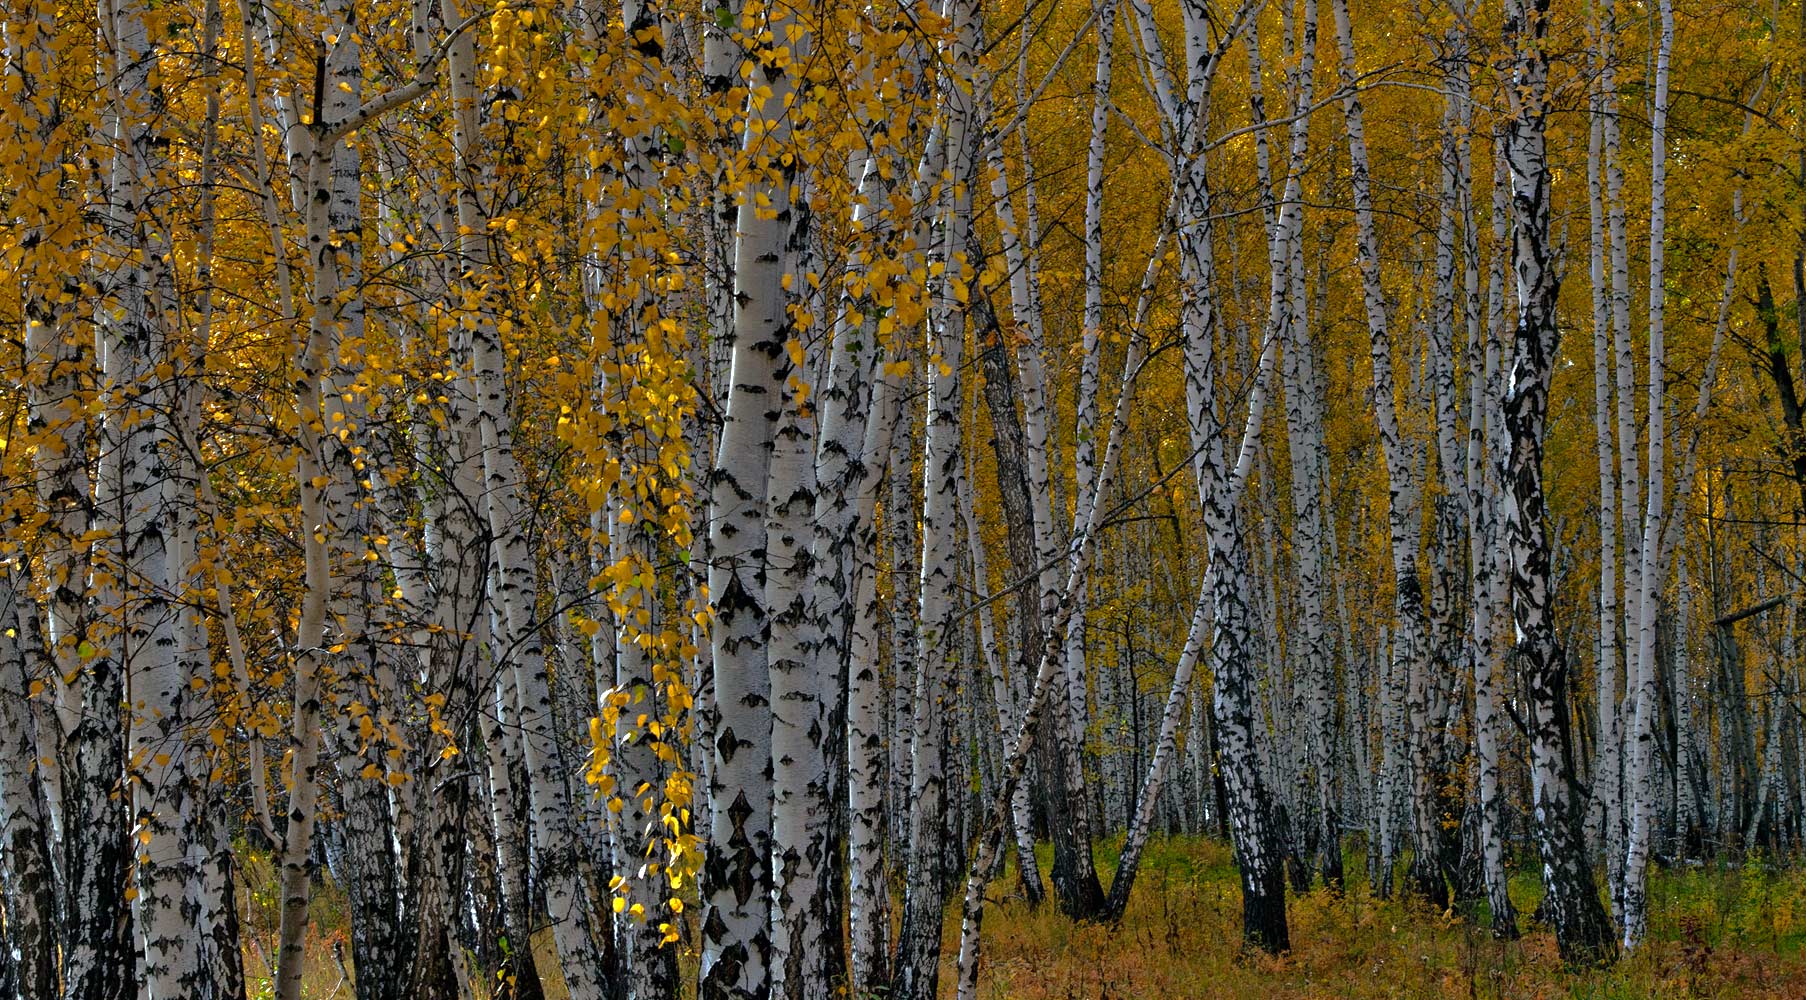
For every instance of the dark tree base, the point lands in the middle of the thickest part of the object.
(1081, 895)
(1583, 933)
(1424, 882)
(1264, 919)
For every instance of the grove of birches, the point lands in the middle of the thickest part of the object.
(673, 498)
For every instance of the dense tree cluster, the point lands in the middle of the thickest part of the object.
(680, 478)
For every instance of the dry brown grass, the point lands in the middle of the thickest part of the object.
(1720, 933)
(1724, 932)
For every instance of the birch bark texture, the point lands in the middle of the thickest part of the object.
(1583, 931)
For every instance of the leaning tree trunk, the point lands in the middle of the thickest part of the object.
(1025, 445)
(1076, 882)
(1018, 742)
(1147, 795)
(1003, 703)
(1021, 453)
(1249, 811)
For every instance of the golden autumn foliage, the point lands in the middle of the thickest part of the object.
(529, 250)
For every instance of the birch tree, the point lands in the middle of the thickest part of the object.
(1582, 929)
(370, 386)
(27, 884)
(737, 876)
(1250, 807)
(138, 497)
(1641, 779)
(1490, 570)
(1411, 630)
(916, 970)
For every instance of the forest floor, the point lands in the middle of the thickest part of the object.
(1718, 932)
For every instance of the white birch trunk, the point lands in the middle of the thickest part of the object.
(737, 876)
(27, 880)
(868, 884)
(1313, 806)
(1630, 484)
(900, 530)
(800, 682)
(1082, 551)
(1408, 652)
(57, 359)
(1074, 871)
(514, 588)
(916, 973)
(1600, 813)
(1583, 932)
(1252, 823)
(993, 650)
(1491, 574)
(1646, 691)
(142, 503)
